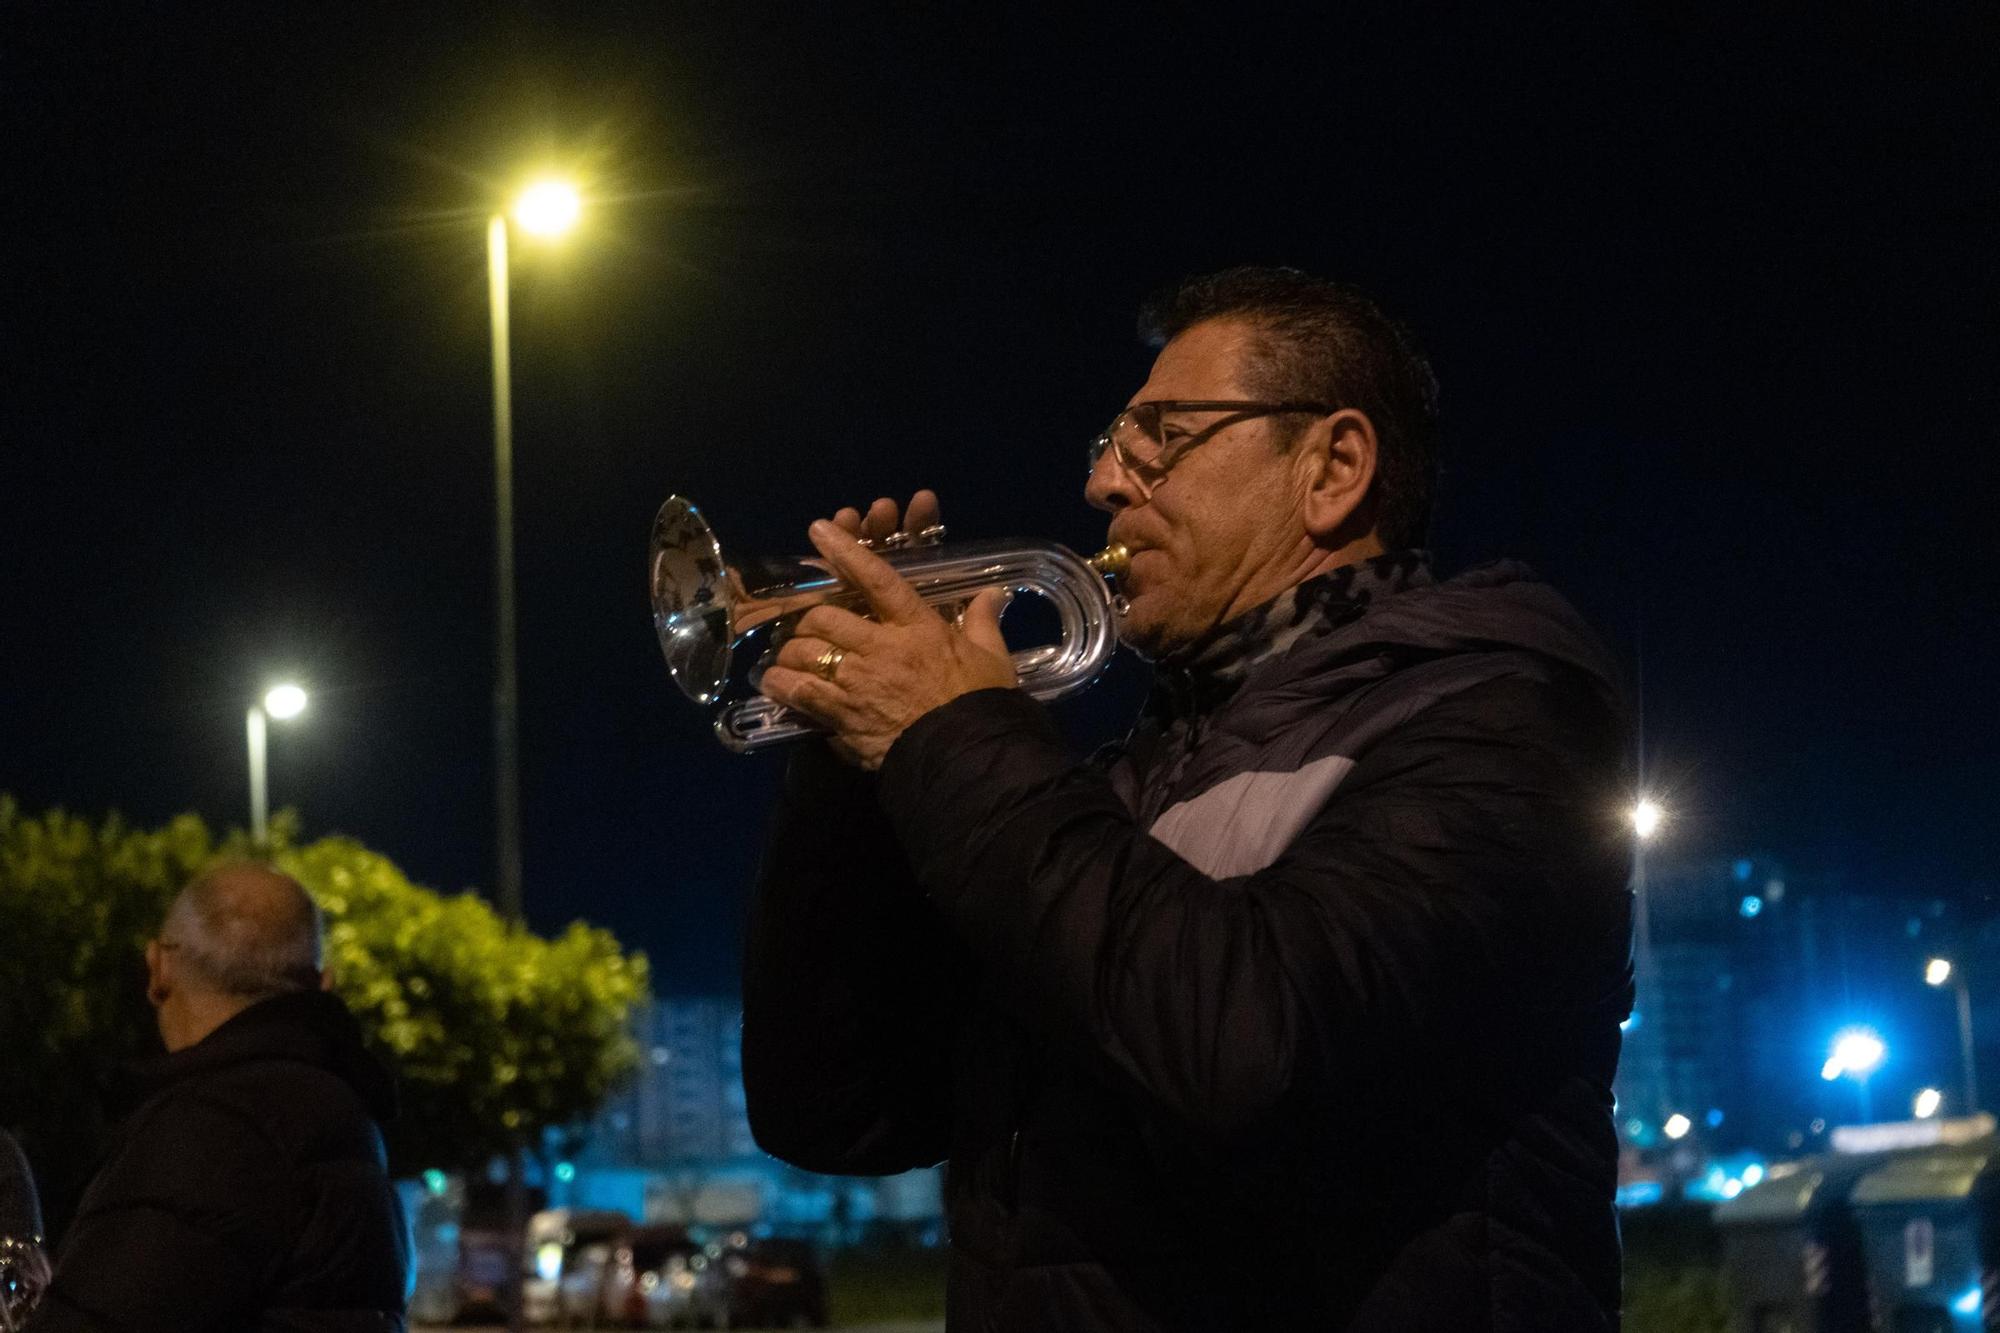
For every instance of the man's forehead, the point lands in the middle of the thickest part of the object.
(1203, 361)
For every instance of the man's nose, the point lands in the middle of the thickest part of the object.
(1110, 487)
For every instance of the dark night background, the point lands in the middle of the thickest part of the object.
(1713, 301)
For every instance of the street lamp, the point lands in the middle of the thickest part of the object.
(1939, 972)
(1857, 1052)
(1926, 1103)
(283, 702)
(1647, 816)
(545, 209)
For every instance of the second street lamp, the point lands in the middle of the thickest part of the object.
(283, 702)
(1940, 972)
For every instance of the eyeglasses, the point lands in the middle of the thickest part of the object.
(1147, 445)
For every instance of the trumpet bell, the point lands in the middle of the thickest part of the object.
(720, 623)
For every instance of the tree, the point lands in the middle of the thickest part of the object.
(491, 1030)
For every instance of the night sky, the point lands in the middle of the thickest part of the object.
(1713, 302)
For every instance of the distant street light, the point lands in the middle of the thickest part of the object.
(1677, 1126)
(1937, 972)
(1857, 1052)
(283, 702)
(1926, 1104)
(546, 209)
(1646, 816)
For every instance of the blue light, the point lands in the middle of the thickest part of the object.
(434, 1181)
(565, 1171)
(1968, 1303)
(1750, 906)
(1743, 870)
(1639, 1193)
(1631, 1021)
(1714, 1117)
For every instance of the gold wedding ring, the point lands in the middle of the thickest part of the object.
(829, 662)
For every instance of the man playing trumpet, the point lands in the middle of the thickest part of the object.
(1298, 1009)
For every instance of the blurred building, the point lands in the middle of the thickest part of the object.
(686, 1101)
(1753, 969)
(675, 1145)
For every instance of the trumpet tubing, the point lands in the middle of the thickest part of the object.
(720, 624)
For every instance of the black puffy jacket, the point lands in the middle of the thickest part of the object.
(249, 1190)
(1300, 1011)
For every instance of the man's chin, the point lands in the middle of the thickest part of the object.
(1145, 633)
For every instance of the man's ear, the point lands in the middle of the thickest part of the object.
(1338, 456)
(159, 979)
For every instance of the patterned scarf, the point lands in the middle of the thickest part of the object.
(1190, 685)
(1201, 677)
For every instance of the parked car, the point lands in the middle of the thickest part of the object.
(572, 1243)
(481, 1279)
(622, 1279)
(685, 1289)
(775, 1283)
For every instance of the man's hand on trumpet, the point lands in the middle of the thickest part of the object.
(868, 680)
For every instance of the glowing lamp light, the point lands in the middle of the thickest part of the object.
(1967, 1303)
(284, 701)
(1937, 971)
(1856, 1051)
(1646, 817)
(565, 1171)
(548, 208)
(435, 1182)
(548, 1261)
(1927, 1103)
(1752, 1174)
(1677, 1126)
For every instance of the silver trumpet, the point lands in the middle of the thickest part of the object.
(721, 622)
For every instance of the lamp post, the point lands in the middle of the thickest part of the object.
(1645, 816)
(546, 209)
(1939, 972)
(283, 702)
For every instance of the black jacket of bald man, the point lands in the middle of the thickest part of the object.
(249, 1190)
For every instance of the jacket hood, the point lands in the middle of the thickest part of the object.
(311, 1027)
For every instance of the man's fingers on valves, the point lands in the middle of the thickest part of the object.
(893, 601)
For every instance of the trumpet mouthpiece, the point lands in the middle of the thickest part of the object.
(1112, 561)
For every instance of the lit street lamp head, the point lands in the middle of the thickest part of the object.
(1937, 971)
(285, 701)
(1646, 817)
(548, 208)
(1857, 1052)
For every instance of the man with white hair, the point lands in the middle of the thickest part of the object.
(250, 1187)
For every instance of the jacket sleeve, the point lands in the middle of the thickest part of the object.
(1406, 922)
(169, 1237)
(851, 986)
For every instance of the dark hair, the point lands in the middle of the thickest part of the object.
(1327, 341)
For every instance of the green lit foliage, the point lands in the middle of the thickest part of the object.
(491, 1030)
